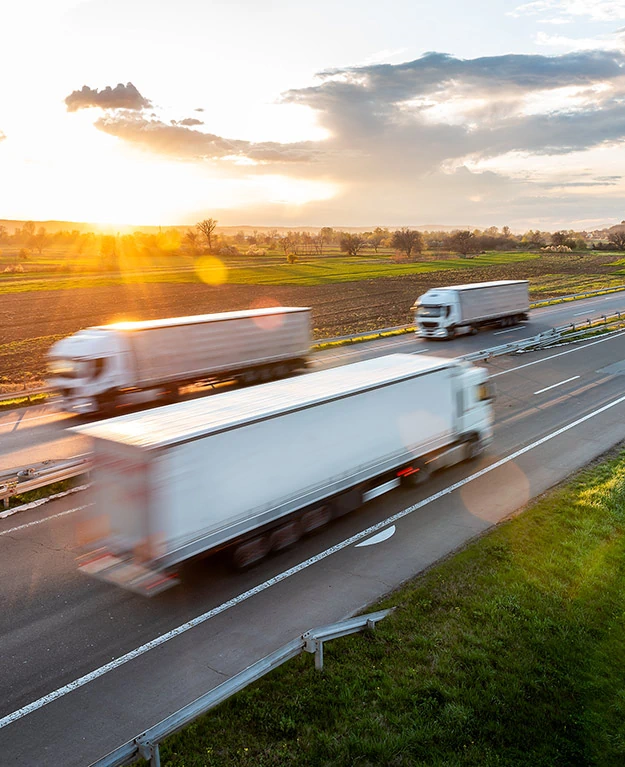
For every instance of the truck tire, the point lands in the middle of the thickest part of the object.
(106, 404)
(475, 448)
(315, 518)
(250, 552)
(285, 536)
(451, 333)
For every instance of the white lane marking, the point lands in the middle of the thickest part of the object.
(421, 351)
(323, 358)
(383, 536)
(553, 386)
(578, 314)
(44, 519)
(26, 420)
(42, 501)
(560, 354)
(356, 538)
(501, 332)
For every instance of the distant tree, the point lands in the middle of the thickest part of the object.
(506, 231)
(40, 240)
(617, 239)
(464, 242)
(563, 238)
(28, 230)
(377, 237)
(352, 244)
(327, 234)
(190, 240)
(4, 234)
(407, 241)
(288, 245)
(533, 239)
(207, 227)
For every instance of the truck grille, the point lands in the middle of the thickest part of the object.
(430, 324)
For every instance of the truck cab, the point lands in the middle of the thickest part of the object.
(437, 314)
(85, 367)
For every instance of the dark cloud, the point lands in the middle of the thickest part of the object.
(119, 97)
(189, 121)
(184, 143)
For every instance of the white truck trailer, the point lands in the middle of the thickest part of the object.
(443, 312)
(252, 470)
(101, 367)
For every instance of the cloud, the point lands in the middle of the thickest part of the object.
(612, 41)
(428, 134)
(190, 121)
(596, 10)
(181, 142)
(119, 97)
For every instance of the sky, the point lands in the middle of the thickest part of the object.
(298, 113)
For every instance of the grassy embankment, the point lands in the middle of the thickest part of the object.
(508, 653)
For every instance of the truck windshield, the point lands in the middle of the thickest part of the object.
(60, 368)
(429, 311)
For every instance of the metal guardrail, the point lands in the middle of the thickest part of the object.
(146, 745)
(549, 337)
(20, 481)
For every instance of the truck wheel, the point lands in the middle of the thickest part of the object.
(285, 536)
(475, 448)
(473, 330)
(106, 404)
(451, 333)
(249, 553)
(315, 518)
(249, 377)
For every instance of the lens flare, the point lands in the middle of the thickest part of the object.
(211, 270)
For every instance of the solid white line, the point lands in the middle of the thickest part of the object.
(44, 519)
(163, 638)
(560, 354)
(501, 332)
(553, 386)
(577, 314)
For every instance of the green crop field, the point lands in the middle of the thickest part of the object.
(509, 653)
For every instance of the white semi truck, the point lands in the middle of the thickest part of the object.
(101, 367)
(444, 312)
(252, 470)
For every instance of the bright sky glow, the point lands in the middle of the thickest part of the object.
(269, 112)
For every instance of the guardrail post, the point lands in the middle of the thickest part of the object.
(149, 750)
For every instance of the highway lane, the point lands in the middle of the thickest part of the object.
(57, 626)
(29, 435)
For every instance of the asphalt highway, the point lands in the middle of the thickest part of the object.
(33, 434)
(87, 666)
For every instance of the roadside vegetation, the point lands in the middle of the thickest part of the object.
(508, 653)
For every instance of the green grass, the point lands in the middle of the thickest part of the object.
(43, 492)
(24, 401)
(509, 653)
(307, 271)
